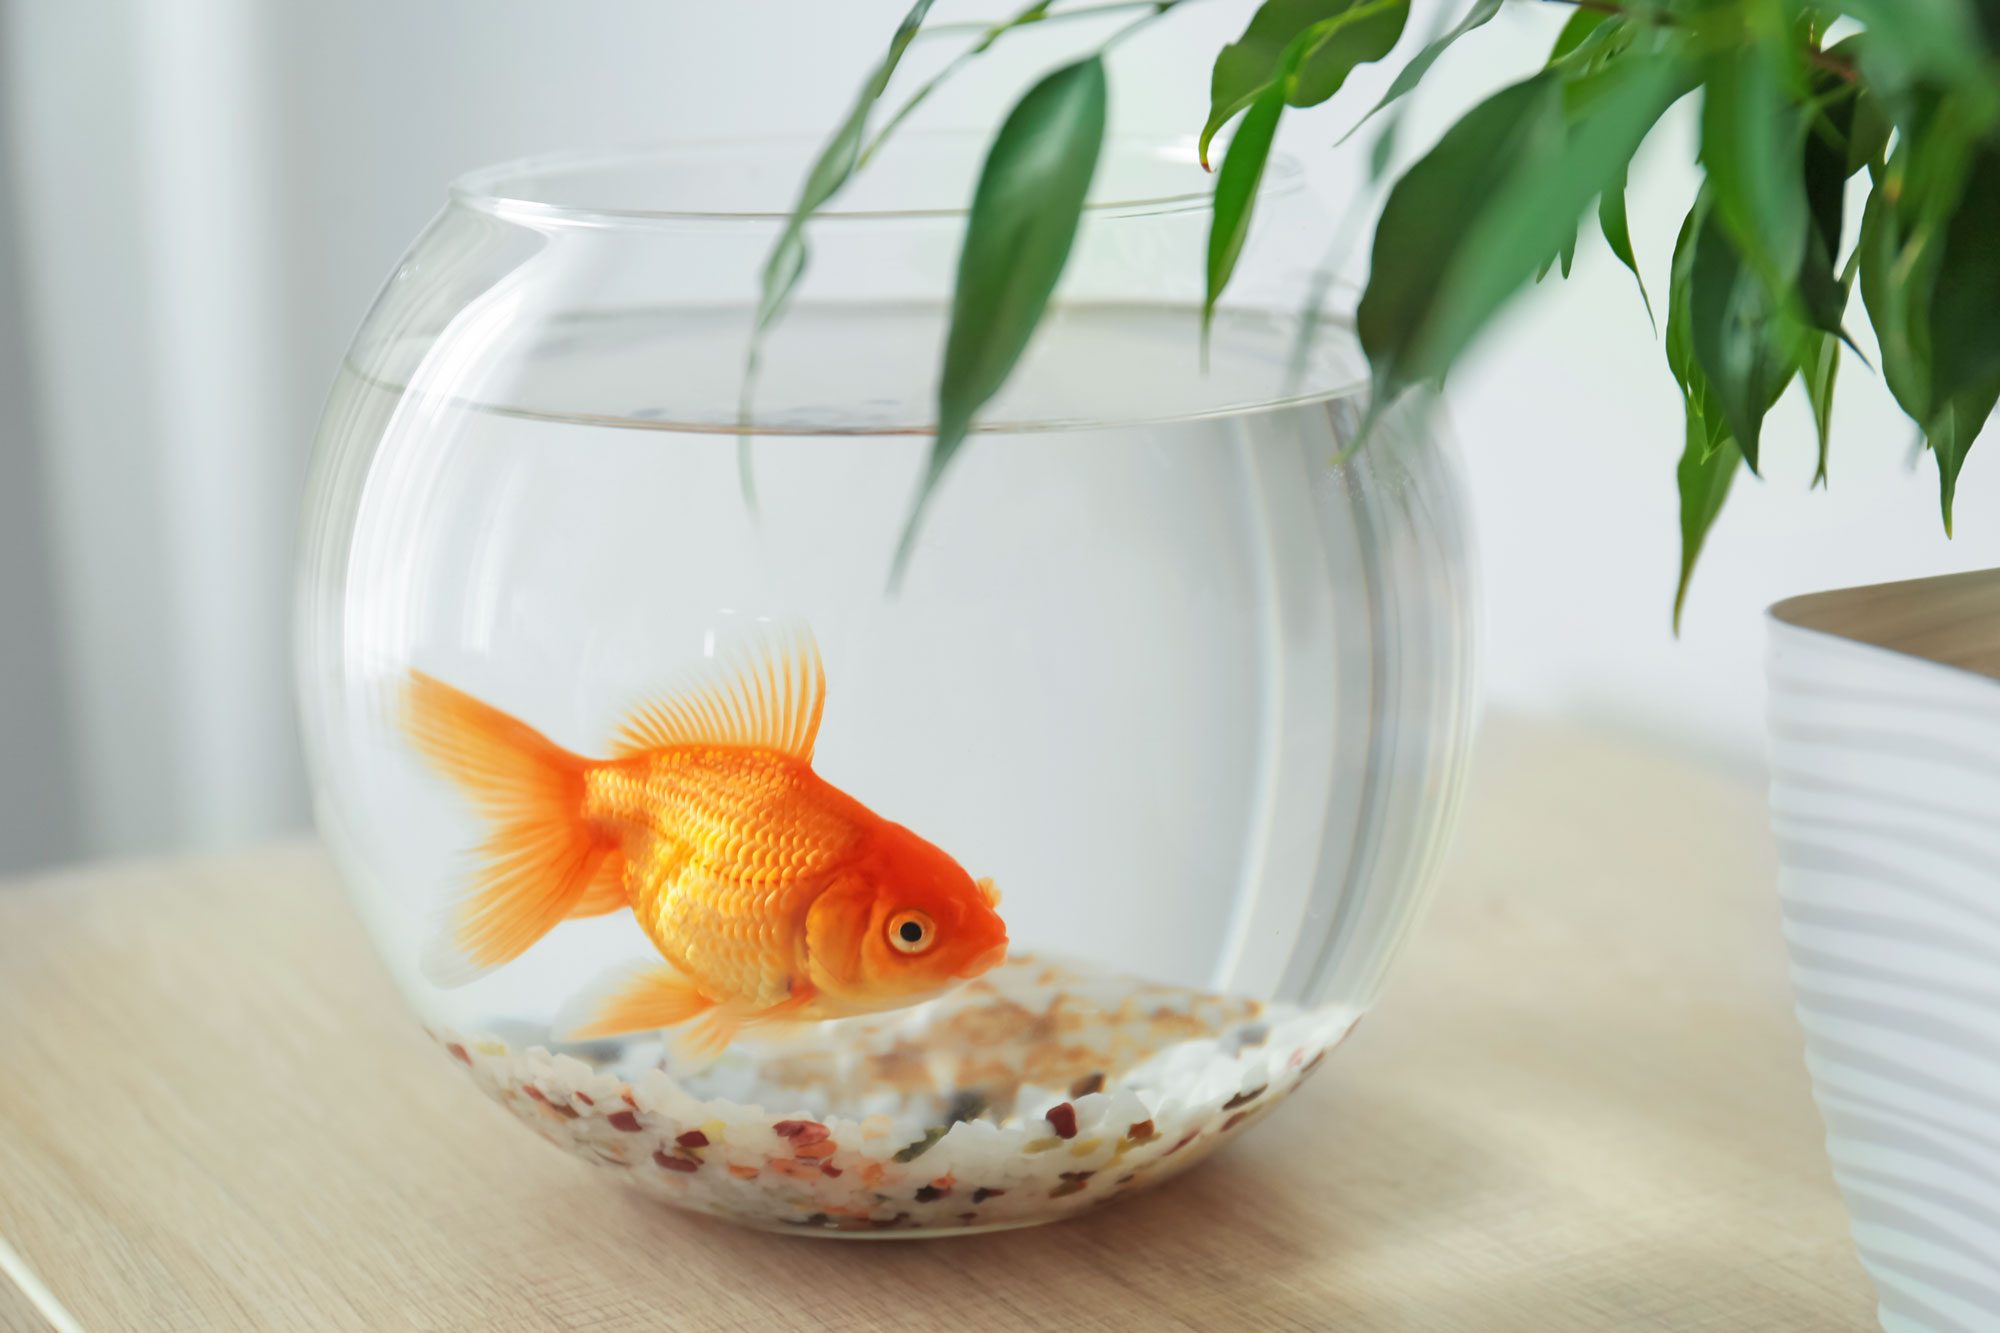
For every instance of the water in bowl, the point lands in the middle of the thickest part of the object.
(1177, 672)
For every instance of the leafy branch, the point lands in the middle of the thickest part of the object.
(1758, 292)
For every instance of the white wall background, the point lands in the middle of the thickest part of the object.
(198, 199)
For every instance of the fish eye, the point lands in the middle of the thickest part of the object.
(911, 931)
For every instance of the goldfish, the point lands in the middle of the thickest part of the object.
(769, 894)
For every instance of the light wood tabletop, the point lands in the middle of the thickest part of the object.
(1581, 1105)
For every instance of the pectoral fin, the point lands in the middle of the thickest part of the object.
(639, 998)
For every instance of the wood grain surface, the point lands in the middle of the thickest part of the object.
(1953, 619)
(1580, 1106)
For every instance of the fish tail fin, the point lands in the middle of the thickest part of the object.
(642, 997)
(542, 858)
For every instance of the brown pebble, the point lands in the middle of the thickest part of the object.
(801, 1131)
(819, 1148)
(928, 1193)
(982, 1194)
(458, 1053)
(1088, 1084)
(534, 1092)
(1143, 1132)
(694, 1138)
(1063, 1117)
(828, 1169)
(1234, 1121)
(673, 1163)
(1067, 1187)
(1244, 1098)
(742, 1172)
(625, 1120)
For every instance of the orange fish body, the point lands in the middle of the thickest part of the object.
(769, 893)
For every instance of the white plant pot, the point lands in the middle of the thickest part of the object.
(1885, 797)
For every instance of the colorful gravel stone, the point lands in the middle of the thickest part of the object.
(1089, 1083)
(922, 1145)
(983, 1086)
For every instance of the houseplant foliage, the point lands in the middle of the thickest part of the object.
(1796, 99)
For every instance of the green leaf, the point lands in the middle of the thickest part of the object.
(1819, 363)
(1895, 287)
(1910, 42)
(1824, 171)
(1429, 217)
(1865, 122)
(1703, 478)
(1739, 340)
(1751, 131)
(1236, 194)
(1680, 343)
(1346, 33)
(830, 172)
(1024, 217)
(1617, 231)
(1709, 456)
(1950, 434)
(1965, 305)
(1481, 13)
(1580, 25)
(1250, 64)
(1695, 392)
(1963, 333)
(1499, 195)
(1935, 334)
(1364, 34)
(1383, 150)
(1868, 143)
(1250, 149)
(1566, 256)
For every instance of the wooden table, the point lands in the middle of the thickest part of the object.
(1580, 1106)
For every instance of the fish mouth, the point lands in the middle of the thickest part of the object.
(984, 962)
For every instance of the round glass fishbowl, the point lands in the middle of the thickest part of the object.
(841, 904)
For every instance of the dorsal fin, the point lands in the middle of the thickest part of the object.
(765, 691)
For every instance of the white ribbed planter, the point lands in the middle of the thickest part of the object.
(1885, 797)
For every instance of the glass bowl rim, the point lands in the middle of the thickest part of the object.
(500, 188)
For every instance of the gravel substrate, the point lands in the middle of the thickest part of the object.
(1028, 1095)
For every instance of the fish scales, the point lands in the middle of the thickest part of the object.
(722, 849)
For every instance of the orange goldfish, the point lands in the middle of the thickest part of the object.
(769, 893)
